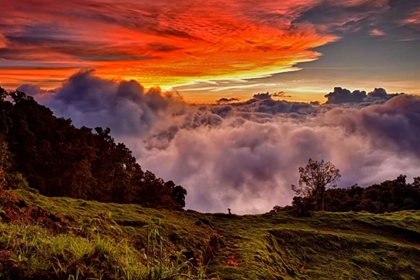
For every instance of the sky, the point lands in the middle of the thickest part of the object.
(208, 50)
(229, 98)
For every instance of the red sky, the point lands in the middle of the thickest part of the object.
(209, 49)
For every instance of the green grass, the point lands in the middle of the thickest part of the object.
(112, 241)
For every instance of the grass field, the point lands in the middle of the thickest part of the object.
(63, 238)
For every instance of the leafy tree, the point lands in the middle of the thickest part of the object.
(314, 179)
(390, 195)
(59, 159)
(416, 183)
(177, 192)
(3, 94)
(3, 159)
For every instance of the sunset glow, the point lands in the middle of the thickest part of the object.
(179, 43)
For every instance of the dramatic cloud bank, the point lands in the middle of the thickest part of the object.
(342, 95)
(245, 155)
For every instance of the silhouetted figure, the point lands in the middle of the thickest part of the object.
(229, 211)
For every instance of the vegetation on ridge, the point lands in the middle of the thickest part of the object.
(59, 159)
(314, 180)
(64, 238)
(68, 238)
(388, 196)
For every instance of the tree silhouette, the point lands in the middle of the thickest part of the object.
(388, 196)
(314, 179)
(58, 159)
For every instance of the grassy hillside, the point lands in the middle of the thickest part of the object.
(63, 238)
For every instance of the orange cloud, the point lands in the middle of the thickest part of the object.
(414, 18)
(161, 42)
(377, 32)
(2, 41)
(48, 78)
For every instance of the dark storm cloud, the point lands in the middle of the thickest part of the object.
(280, 94)
(262, 96)
(36, 91)
(379, 95)
(340, 17)
(377, 17)
(226, 100)
(342, 95)
(245, 155)
(126, 107)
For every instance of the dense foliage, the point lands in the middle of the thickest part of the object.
(388, 196)
(315, 178)
(59, 159)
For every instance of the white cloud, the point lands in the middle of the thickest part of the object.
(245, 156)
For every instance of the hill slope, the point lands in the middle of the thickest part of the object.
(63, 238)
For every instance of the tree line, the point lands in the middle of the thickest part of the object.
(316, 192)
(54, 157)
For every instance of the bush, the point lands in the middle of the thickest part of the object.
(16, 181)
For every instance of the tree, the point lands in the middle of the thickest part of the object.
(416, 183)
(58, 159)
(3, 159)
(315, 178)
